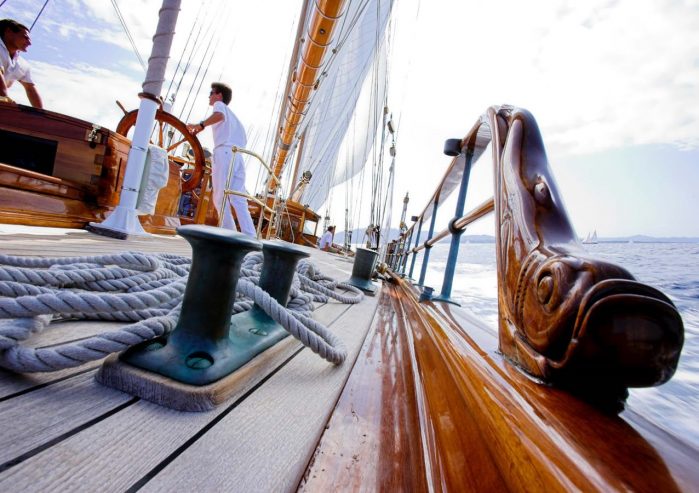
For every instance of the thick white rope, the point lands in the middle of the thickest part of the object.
(143, 288)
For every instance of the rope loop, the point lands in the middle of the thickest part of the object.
(144, 290)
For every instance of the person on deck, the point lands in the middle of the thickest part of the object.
(227, 132)
(15, 38)
(326, 241)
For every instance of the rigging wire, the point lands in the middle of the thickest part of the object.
(336, 49)
(37, 16)
(391, 171)
(349, 25)
(188, 64)
(338, 46)
(184, 50)
(350, 189)
(128, 34)
(208, 65)
(196, 75)
(378, 151)
(203, 77)
(223, 21)
(344, 36)
(277, 108)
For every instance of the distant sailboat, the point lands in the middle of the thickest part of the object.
(591, 238)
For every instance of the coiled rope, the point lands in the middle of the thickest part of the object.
(145, 289)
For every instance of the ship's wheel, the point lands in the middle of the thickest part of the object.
(171, 134)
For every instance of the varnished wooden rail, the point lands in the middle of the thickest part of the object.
(487, 426)
(579, 323)
(460, 224)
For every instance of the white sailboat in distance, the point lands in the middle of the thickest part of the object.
(591, 239)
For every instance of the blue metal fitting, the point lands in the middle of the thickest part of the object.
(198, 351)
(426, 294)
(362, 270)
(254, 331)
(453, 229)
(452, 147)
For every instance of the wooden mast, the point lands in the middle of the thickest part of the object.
(305, 76)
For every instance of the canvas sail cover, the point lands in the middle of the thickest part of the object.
(360, 50)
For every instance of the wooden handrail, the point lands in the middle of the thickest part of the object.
(460, 224)
(582, 324)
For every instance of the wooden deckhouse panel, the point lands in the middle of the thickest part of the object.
(85, 154)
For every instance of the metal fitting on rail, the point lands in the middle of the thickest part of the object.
(452, 227)
(452, 147)
(426, 294)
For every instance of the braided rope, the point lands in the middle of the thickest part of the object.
(144, 289)
(313, 281)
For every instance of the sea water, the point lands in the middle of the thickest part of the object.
(673, 268)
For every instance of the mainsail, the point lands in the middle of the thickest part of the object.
(345, 98)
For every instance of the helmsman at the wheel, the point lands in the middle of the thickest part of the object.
(227, 132)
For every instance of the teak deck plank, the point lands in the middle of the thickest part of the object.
(277, 427)
(14, 383)
(119, 451)
(35, 419)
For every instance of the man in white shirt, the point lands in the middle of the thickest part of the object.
(227, 132)
(15, 38)
(326, 241)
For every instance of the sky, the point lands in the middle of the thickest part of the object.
(613, 84)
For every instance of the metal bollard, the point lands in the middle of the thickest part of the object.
(199, 351)
(254, 331)
(363, 268)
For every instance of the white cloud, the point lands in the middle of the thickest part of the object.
(597, 75)
(86, 92)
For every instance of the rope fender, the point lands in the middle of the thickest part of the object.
(145, 289)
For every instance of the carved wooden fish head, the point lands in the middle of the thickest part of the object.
(553, 287)
(566, 317)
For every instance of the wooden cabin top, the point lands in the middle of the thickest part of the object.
(423, 402)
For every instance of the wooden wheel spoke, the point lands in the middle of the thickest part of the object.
(174, 146)
(160, 133)
(169, 127)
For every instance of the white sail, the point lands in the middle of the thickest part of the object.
(332, 109)
(591, 238)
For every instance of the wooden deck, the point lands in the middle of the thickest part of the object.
(424, 402)
(63, 431)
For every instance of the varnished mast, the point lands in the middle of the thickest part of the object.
(304, 78)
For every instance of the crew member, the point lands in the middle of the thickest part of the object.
(15, 38)
(326, 241)
(227, 132)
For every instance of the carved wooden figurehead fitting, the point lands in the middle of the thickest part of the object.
(580, 323)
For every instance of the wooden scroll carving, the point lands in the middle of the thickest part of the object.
(580, 323)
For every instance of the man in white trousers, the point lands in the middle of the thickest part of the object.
(227, 132)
